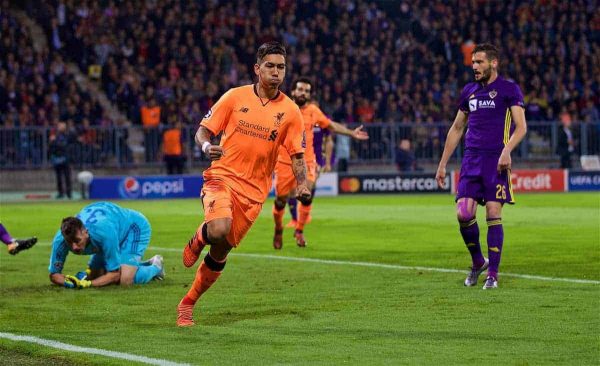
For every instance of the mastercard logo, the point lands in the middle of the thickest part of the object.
(350, 185)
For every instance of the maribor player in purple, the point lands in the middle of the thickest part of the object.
(492, 109)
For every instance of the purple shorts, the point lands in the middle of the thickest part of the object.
(480, 180)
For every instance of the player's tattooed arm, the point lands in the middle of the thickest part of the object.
(299, 169)
(203, 139)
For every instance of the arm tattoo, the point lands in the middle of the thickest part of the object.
(299, 168)
(203, 134)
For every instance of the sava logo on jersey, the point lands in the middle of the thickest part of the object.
(475, 104)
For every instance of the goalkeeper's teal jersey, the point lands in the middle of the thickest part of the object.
(108, 226)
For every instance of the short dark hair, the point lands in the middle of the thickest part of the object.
(304, 80)
(70, 227)
(491, 51)
(270, 48)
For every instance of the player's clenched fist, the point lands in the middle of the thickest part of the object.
(214, 152)
(302, 193)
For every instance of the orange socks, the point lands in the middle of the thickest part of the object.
(303, 214)
(278, 216)
(207, 274)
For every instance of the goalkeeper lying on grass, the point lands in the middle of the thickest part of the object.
(115, 237)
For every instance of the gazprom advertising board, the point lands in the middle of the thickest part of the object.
(150, 187)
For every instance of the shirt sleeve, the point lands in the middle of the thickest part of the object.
(217, 117)
(59, 253)
(463, 100)
(322, 120)
(295, 137)
(516, 97)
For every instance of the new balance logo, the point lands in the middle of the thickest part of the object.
(244, 110)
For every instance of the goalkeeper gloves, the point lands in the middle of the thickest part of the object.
(83, 274)
(74, 282)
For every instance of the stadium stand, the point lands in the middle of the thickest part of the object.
(395, 66)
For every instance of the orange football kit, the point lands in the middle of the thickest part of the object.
(236, 185)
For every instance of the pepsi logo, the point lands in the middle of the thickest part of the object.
(129, 188)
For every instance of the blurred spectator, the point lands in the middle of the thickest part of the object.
(342, 151)
(151, 120)
(173, 145)
(405, 157)
(59, 157)
(566, 143)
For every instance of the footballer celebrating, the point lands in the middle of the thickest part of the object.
(493, 110)
(256, 121)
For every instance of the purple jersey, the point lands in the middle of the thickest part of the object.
(319, 143)
(489, 123)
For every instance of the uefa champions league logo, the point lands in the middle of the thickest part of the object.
(130, 188)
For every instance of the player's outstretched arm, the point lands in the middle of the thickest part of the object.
(203, 136)
(328, 152)
(452, 140)
(299, 169)
(356, 133)
(518, 115)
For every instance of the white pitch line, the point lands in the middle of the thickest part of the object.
(391, 266)
(92, 351)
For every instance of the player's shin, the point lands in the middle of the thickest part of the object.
(293, 202)
(145, 274)
(207, 274)
(278, 211)
(303, 214)
(5, 236)
(470, 234)
(495, 239)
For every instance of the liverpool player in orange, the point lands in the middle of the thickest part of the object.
(284, 177)
(256, 121)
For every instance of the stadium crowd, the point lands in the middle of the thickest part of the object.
(372, 61)
(37, 90)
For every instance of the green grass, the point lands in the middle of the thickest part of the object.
(270, 311)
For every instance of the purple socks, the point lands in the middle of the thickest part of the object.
(470, 233)
(5, 236)
(495, 238)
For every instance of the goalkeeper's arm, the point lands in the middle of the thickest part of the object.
(74, 282)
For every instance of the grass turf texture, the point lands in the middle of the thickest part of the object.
(267, 311)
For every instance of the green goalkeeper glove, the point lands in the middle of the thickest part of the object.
(74, 282)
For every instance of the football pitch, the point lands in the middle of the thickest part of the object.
(380, 282)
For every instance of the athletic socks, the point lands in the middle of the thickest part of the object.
(470, 234)
(303, 214)
(293, 202)
(495, 238)
(5, 236)
(145, 274)
(207, 274)
(278, 216)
